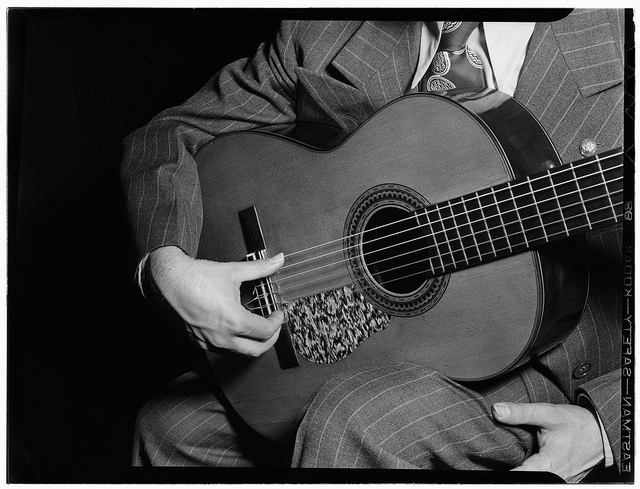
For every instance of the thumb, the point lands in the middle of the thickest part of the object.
(252, 270)
(512, 413)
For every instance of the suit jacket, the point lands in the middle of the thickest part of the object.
(339, 73)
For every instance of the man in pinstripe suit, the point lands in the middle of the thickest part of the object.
(560, 412)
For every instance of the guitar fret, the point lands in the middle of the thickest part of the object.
(428, 238)
(517, 211)
(510, 219)
(586, 212)
(570, 200)
(434, 236)
(452, 233)
(557, 200)
(482, 236)
(530, 216)
(604, 181)
(498, 233)
(614, 183)
(455, 225)
(597, 191)
(539, 214)
(470, 235)
(443, 232)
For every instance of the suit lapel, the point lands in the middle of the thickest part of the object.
(587, 44)
(583, 44)
(370, 47)
(373, 66)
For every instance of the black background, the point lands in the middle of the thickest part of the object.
(84, 351)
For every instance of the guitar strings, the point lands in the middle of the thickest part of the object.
(452, 217)
(464, 248)
(454, 263)
(279, 303)
(460, 237)
(528, 180)
(537, 216)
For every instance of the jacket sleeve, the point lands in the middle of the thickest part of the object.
(158, 171)
(604, 395)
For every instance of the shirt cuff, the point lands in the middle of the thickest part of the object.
(147, 285)
(139, 274)
(584, 401)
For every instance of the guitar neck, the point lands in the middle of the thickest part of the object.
(518, 215)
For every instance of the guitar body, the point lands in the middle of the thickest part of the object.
(473, 324)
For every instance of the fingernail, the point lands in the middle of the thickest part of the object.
(501, 410)
(277, 258)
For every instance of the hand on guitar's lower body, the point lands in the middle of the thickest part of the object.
(206, 295)
(569, 437)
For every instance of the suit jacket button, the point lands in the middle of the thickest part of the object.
(588, 147)
(581, 370)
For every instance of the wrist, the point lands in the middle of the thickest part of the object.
(607, 455)
(166, 266)
(156, 278)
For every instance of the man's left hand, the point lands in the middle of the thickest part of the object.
(569, 438)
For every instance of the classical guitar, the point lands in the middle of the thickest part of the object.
(443, 231)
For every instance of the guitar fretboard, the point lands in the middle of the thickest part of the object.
(524, 213)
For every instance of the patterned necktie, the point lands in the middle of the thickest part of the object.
(455, 65)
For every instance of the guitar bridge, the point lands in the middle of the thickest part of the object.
(263, 292)
(263, 295)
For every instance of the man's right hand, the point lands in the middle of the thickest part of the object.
(206, 294)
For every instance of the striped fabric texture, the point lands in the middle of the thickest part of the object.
(572, 79)
(339, 73)
(186, 425)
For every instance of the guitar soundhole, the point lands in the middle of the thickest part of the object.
(387, 251)
(393, 249)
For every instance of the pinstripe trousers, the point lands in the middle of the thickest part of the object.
(186, 425)
(396, 416)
